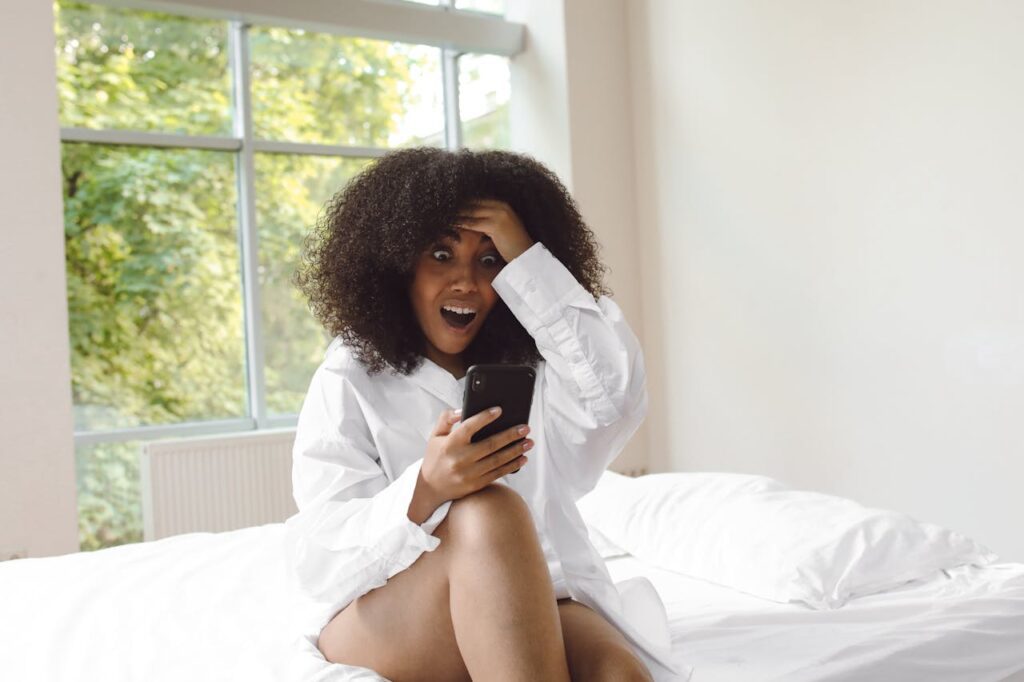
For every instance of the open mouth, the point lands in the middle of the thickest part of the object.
(460, 318)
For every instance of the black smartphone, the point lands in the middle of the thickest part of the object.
(509, 387)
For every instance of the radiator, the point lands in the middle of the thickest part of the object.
(216, 483)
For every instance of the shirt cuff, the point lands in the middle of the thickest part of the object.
(537, 286)
(547, 300)
(391, 533)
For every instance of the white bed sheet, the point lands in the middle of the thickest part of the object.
(201, 606)
(966, 625)
(208, 606)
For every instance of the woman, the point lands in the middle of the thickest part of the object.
(430, 560)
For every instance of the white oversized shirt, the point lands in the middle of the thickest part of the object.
(361, 439)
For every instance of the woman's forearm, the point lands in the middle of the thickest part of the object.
(424, 501)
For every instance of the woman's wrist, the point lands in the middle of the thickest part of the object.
(517, 248)
(424, 501)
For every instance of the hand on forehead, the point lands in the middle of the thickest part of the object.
(482, 207)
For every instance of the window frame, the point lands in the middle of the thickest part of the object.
(441, 26)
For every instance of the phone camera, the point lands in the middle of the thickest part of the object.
(478, 383)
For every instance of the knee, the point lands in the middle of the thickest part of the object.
(612, 663)
(493, 513)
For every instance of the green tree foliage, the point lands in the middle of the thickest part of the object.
(153, 285)
(315, 87)
(289, 192)
(109, 508)
(141, 70)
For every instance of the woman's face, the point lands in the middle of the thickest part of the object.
(451, 293)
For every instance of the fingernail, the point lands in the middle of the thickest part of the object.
(495, 410)
(523, 430)
(457, 412)
(527, 445)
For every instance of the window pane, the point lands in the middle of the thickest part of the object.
(154, 296)
(109, 506)
(122, 68)
(485, 85)
(489, 6)
(290, 191)
(322, 88)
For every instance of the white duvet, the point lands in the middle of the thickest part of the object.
(218, 607)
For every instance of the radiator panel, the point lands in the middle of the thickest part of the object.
(216, 484)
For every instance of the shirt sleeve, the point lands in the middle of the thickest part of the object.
(352, 531)
(594, 382)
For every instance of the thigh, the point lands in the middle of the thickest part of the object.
(594, 648)
(403, 629)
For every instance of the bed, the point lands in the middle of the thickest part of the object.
(218, 606)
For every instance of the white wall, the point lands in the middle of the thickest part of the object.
(601, 129)
(829, 198)
(37, 470)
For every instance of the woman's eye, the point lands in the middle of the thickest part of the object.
(490, 259)
(441, 254)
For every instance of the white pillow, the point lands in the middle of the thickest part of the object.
(753, 534)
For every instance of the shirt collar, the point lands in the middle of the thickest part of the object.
(438, 381)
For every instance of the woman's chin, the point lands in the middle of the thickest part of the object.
(450, 344)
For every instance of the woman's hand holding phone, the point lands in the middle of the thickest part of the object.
(454, 467)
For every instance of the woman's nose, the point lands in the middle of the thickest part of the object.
(463, 278)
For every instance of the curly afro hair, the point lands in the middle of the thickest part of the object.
(358, 261)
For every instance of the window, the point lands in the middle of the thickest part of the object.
(196, 154)
(484, 90)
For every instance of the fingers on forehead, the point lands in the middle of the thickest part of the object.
(484, 205)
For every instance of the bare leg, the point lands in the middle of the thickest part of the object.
(403, 629)
(481, 605)
(502, 602)
(596, 650)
